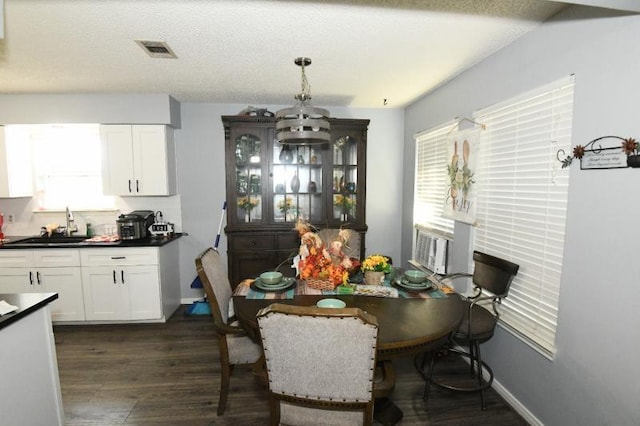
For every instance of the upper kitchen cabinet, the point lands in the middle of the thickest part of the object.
(271, 185)
(15, 166)
(138, 160)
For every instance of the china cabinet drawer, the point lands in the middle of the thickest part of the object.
(289, 240)
(252, 242)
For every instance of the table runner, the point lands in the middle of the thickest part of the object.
(245, 289)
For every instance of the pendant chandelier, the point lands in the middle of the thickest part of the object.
(303, 124)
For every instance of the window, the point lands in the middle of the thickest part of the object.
(431, 179)
(67, 165)
(522, 202)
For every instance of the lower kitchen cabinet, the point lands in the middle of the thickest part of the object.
(130, 284)
(98, 284)
(40, 271)
(121, 292)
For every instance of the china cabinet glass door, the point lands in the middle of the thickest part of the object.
(297, 183)
(249, 155)
(345, 179)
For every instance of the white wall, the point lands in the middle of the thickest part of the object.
(593, 377)
(201, 180)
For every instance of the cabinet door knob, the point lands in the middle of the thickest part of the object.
(253, 243)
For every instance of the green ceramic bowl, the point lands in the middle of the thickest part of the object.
(331, 303)
(414, 276)
(271, 277)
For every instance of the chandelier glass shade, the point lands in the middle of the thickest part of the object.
(303, 124)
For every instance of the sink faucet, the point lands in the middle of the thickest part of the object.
(71, 226)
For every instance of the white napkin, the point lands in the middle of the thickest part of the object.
(6, 308)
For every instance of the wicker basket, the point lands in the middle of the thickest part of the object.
(320, 284)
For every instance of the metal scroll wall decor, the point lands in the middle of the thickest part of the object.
(606, 152)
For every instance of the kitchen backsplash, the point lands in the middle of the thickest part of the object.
(28, 222)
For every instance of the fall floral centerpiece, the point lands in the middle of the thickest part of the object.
(374, 268)
(324, 265)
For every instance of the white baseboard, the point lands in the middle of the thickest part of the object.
(190, 300)
(509, 398)
(516, 404)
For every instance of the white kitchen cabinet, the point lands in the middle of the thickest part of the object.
(47, 270)
(129, 284)
(15, 166)
(122, 292)
(138, 160)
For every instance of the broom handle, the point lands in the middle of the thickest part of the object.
(224, 208)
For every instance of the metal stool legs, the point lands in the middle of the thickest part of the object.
(476, 365)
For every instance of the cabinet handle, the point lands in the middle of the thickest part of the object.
(38, 277)
(30, 278)
(129, 185)
(114, 276)
(118, 257)
(253, 243)
(122, 276)
(137, 186)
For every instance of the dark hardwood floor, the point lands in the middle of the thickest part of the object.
(168, 374)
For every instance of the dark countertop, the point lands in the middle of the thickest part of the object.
(26, 303)
(146, 242)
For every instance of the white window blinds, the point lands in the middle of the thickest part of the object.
(522, 202)
(431, 179)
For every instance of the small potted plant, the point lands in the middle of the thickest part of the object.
(374, 267)
(247, 204)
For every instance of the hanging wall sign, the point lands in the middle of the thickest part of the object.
(617, 153)
(460, 200)
(606, 158)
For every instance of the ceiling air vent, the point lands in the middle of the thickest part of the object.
(156, 49)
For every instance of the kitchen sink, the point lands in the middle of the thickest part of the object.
(49, 241)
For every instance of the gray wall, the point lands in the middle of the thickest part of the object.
(201, 179)
(90, 108)
(593, 378)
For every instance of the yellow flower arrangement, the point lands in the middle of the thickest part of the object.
(376, 262)
(246, 203)
(285, 205)
(344, 202)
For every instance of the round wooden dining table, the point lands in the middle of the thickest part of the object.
(407, 326)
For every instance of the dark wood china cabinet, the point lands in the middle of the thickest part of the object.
(270, 185)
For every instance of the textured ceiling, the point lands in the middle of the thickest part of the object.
(242, 51)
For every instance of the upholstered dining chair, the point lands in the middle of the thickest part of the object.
(491, 278)
(235, 346)
(320, 364)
